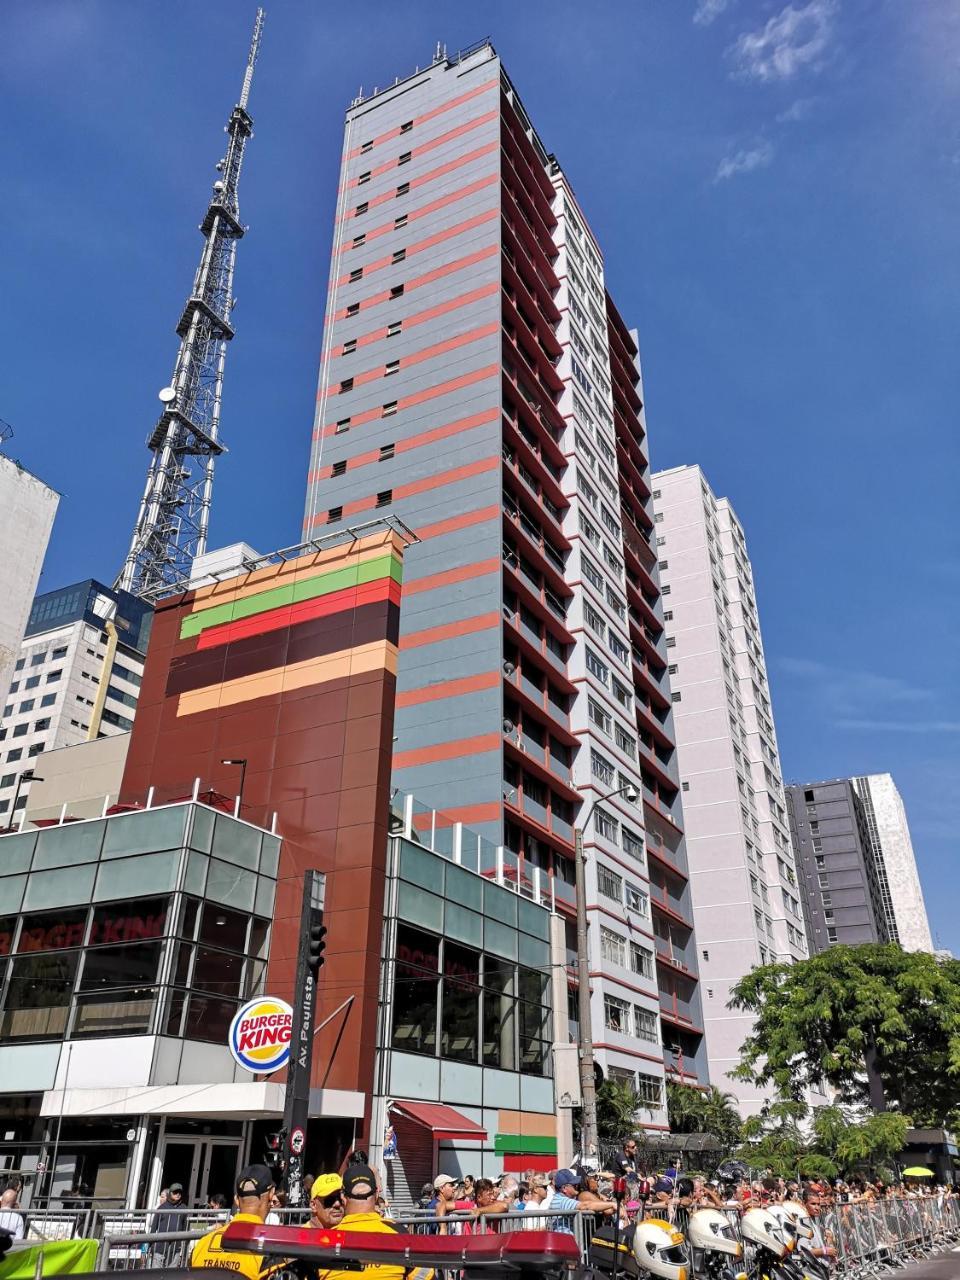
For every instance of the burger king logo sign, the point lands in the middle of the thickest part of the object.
(260, 1034)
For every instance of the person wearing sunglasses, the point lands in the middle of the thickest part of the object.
(326, 1201)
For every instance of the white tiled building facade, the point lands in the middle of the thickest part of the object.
(746, 903)
(899, 881)
(77, 678)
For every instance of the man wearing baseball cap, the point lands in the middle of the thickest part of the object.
(445, 1201)
(326, 1201)
(254, 1192)
(360, 1214)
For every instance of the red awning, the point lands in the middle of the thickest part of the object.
(443, 1121)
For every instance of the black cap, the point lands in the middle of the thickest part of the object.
(356, 1177)
(255, 1180)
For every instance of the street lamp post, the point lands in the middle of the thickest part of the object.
(242, 765)
(28, 775)
(589, 1138)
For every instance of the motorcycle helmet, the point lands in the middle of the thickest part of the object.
(659, 1250)
(801, 1219)
(761, 1228)
(709, 1230)
(784, 1220)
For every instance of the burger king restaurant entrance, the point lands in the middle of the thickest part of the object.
(202, 1165)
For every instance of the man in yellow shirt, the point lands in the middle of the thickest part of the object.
(360, 1214)
(254, 1191)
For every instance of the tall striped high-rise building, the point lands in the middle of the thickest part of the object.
(478, 382)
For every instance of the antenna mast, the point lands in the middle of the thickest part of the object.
(174, 513)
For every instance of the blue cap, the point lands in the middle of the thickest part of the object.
(565, 1177)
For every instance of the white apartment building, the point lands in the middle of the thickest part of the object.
(27, 510)
(901, 897)
(77, 679)
(746, 903)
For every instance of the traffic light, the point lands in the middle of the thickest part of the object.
(316, 945)
(274, 1153)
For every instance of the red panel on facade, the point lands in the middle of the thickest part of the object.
(525, 1163)
(443, 1121)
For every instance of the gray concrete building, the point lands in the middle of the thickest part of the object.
(838, 874)
(27, 510)
(478, 382)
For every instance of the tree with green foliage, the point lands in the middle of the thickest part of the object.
(709, 1110)
(849, 1140)
(776, 1140)
(619, 1108)
(877, 1023)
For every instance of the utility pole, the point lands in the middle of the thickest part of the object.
(174, 513)
(589, 1137)
(296, 1102)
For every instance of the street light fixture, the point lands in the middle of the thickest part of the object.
(589, 1137)
(242, 765)
(28, 775)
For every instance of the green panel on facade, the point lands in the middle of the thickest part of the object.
(463, 925)
(137, 877)
(146, 831)
(270, 856)
(519, 1144)
(233, 886)
(533, 919)
(236, 842)
(500, 904)
(65, 846)
(201, 829)
(464, 888)
(266, 893)
(533, 953)
(60, 888)
(500, 939)
(18, 851)
(11, 893)
(195, 879)
(421, 867)
(419, 907)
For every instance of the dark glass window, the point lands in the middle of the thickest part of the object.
(134, 965)
(188, 917)
(132, 921)
(415, 991)
(6, 934)
(259, 929)
(499, 1014)
(53, 930)
(217, 971)
(209, 1018)
(222, 927)
(38, 996)
(460, 1018)
(115, 1013)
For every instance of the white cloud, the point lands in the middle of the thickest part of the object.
(797, 111)
(901, 726)
(852, 698)
(795, 40)
(744, 161)
(708, 10)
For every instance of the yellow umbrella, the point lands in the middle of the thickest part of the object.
(918, 1171)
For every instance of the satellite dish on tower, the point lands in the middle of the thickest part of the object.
(167, 395)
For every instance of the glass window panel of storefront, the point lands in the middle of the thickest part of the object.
(106, 963)
(468, 1006)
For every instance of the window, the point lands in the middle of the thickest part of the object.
(641, 960)
(637, 901)
(403, 188)
(591, 573)
(671, 642)
(605, 824)
(658, 517)
(19, 730)
(831, 935)
(37, 747)
(394, 328)
(346, 385)
(612, 946)
(338, 468)
(334, 514)
(20, 664)
(600, 717)
(364, 177)
(356, 274)
(609, 884)
(384, 498)
(396, 291)
(399, 255)
(401, 221)
(622, 694)
(665, 590)
(389, 409)
(359, 240)
(645, 1024)
(40, 725)
(361, 208)
(625, 741)
(392, 367)
(676, 697)
(27, 704)
(38, 659)
(599, 670)
(601, 768)
(406, 126)
(404, 158)
(386, 452)
(616, 1015)
(416, 991)
(593, 618)
(632, 844)
(15, 754)
(672, 669)
(8, 780)
(349, 347)
(684, 786)
(366, 146)
(618, 648)
(31, 682)
(353, 309)
(343, 425)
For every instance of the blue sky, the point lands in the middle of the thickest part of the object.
(777, 189)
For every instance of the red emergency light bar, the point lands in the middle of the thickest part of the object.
(513, 1250)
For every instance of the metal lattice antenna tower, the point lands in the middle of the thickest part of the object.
(174, 513)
